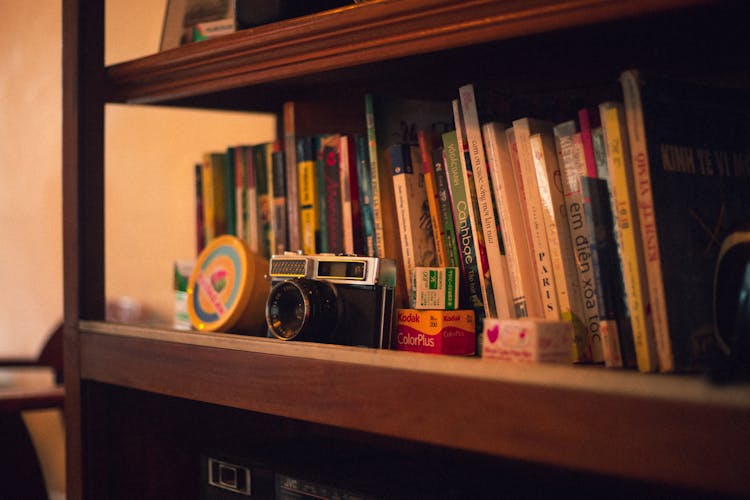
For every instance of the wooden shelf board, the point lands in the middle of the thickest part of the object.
(353, 36)
(673, 429)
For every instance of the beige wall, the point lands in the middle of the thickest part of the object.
(150, 154)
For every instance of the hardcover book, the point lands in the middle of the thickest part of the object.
(630, 248)
(691, 168)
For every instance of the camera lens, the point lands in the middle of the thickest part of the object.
(303, 309)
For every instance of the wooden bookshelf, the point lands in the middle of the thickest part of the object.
(143, 402)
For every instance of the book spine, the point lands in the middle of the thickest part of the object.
(207, 181)
(347, 221)
(485, 280)
(525, 290)
(570, 152)
(424, 239)
(411, 200)
(240, 193)
(270, 235)
(463, 225)
(600, 153)
(200, 227)
(265, 200)
(331, 216)
(623, 208)
(291, 182)
(307, 194)
(614, 272)
(558, 235)
(520, 148)
(253, 230)
(398, 165)
(649, 234)
(365, 195)
(280, 202)
(493, 239)
(585, 119)
(446, 209)
(372, 148)
(426, 145)
(606, 269)
(321, 235)
(229, 189)
(214, 197)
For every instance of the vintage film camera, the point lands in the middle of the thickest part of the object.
(336, 299)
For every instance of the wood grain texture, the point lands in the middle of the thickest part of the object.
(635, 434)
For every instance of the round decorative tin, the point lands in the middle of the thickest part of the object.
(227, 289)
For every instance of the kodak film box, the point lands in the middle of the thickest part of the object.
(529, 340)
(435, 331)
(435, 288)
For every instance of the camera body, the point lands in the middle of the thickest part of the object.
(334, 299)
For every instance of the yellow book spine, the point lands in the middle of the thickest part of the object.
(628, 233)
(642, 181)
(207, 187)
(307, 211)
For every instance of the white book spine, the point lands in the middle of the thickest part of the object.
(525, 289)
(572, 167)
(558, 235)
(498, 267)
(539, 242)
(488, 297)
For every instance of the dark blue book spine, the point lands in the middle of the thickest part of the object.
(608, 282)
(365, 195)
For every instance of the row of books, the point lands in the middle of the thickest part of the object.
(241, 191)
(609, 220)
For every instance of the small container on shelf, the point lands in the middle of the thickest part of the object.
(227, 290)
(435, 331)
(528, 340)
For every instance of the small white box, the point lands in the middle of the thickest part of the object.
(435, 288)
(528, 340)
